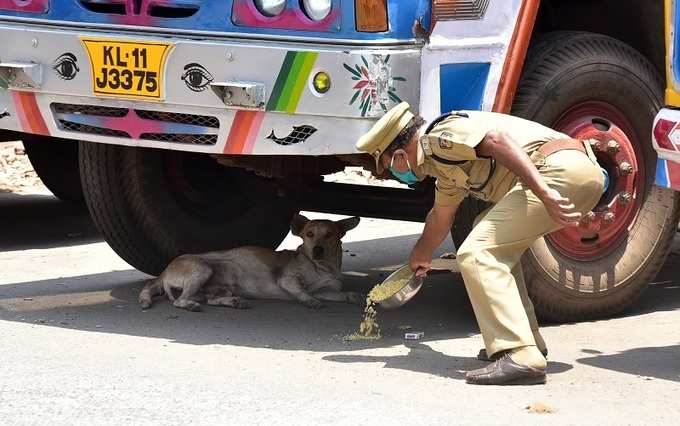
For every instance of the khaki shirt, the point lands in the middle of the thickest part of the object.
(455, 139)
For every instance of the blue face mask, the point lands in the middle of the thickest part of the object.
(409, 178)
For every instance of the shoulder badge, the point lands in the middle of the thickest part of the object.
(445, 140)
(425, 144)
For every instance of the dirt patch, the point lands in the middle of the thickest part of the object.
(539, 408)
(359, 176)
(16, 172)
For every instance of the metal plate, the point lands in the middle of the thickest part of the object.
(241, 94)
(127, 69)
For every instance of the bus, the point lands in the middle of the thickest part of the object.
(192, 125)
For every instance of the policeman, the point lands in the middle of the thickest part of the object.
(538, 181)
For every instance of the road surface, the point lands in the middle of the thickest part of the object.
(75, 348)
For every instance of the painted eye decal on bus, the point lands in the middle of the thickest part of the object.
(196, 77)
(66, 66)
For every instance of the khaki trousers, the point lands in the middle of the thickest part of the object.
(489, 258)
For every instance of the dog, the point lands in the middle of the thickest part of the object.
(310, 274)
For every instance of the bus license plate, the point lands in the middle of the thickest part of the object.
(127, 69)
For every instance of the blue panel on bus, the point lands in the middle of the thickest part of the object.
(662, 174)
(220, 16)
(462, 86)
(676, 45)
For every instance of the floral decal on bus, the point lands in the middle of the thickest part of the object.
(374, 86)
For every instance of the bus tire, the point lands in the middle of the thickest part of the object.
(584, 83)
(55, 161)
(153, 205)
(465, 218)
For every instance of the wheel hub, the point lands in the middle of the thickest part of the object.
(617, 151)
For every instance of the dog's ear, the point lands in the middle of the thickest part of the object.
(347, 224)
(298, 224)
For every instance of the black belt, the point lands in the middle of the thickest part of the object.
(444, 117)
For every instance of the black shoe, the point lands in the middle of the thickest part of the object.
(505, 371)
(482, 356)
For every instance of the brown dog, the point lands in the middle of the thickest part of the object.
(309, 274)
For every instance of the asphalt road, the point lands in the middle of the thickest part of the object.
(76, 349)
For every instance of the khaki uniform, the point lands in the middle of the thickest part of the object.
(489, 259)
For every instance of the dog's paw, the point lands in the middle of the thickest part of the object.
(193, 306)
(313, 304)
(189, 305)
(144, 301)
(355, 298)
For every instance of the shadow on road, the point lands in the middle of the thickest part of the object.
(107, 303)
(423, 359)
(657, 362)
(42, 221)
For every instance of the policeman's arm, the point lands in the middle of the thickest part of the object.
(507, 152)
(437, 227)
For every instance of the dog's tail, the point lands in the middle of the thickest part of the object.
(153, 287)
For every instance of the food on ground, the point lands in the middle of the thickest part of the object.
(540, 408)
(369, 329)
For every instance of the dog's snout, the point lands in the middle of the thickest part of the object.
(317, 252)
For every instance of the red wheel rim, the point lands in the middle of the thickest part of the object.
(618, 151)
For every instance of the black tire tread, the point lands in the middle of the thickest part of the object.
(553, 309)
(108, 203)
(556, 50)
(468, 210)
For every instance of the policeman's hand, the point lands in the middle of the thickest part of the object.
(560, 208)
(420, 261)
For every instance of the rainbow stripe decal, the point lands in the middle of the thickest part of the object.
(291, 81)
(30, 117)
(243, 132)
(285, 97)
